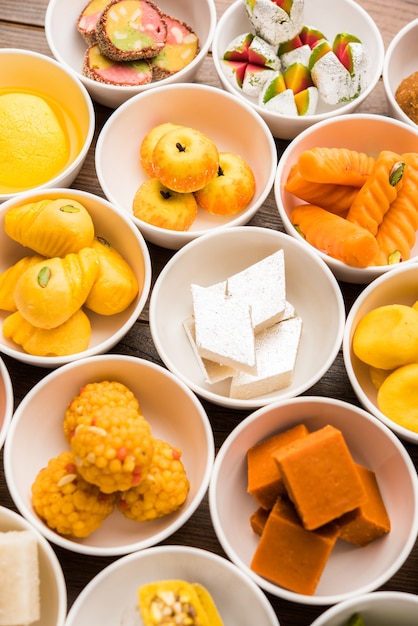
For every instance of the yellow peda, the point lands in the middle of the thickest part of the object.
(397, 397)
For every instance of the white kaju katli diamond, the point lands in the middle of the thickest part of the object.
(262, 286)
(276, 349)
(223, 327)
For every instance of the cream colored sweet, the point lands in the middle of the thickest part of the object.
(19, 578)
(224, 330)
(212, 372)
(263, 286)
(33, 144)
(276, 351)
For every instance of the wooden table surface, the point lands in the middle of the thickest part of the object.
(21, 25)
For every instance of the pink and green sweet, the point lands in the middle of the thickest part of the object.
(291, 92)
(275, 21)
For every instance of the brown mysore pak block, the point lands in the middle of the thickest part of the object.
(264, 480)
(370, 520)
(288, 554)
(320, 477)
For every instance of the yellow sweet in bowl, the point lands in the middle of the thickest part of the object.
(33, 143)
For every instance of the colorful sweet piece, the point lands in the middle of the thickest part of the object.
(148, 144)
(115, 450)
(68, 338)
(295, 83)
(249, 61)
(290, 555)
(298, 49)
(50, 292)
(177, 602)
(20, 597)
(224, 330)
(65, 501)
(160, 206)
(320, 476)
(406, 95)
(9, 278)
(128, 30)
(163, 488)
(102, 69)
(116, 285)
(264, 480)
(397, 397)
(370, 520)
(181, 47)
(87, 20)
(34, 144)
(340, 71)
(50, 227)
(276, 20)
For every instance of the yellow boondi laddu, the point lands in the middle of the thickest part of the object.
(66, 502)
(92, 397)
(114, 450)
(163, 489)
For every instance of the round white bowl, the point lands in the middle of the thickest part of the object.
(401, 60)
(174, 413)
(68, 47)
(6, 401)
(395, 287)
(228, 121)
(349, 571)
(213, 258)
(33, 72)
(53, 590)
(382, 607)
(363, 132)
(346, 16)
(124, 237)
(111, 597)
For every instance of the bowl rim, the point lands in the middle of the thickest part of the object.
(372, 597)
(108, 343)
(313, 118)
(20, 521)
(385, 70)
(163, 91)
(276, 590)
(9, 401)
(128, 89)
(179, 550)
(81, 548)
(252, 403)
(401, 431)
(365, 274)
(79, 159)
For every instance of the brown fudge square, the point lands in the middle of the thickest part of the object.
(370, 520)
(320, 476)
(265, 482)
(258, 520)
(288, 554)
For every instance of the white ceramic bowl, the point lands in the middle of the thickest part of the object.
(362, 132)
(6, 401)
(346, 16)
(401, 59)
(382, 607)
(111, 597)
(215, 257)
(214, 112)
(123, 236)
(27, 71)
(53, 591)
(395, 287)
(174, 413)
(68, 46)
(349, 571)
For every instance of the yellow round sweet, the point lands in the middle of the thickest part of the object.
(397, 397)
(33, 144)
